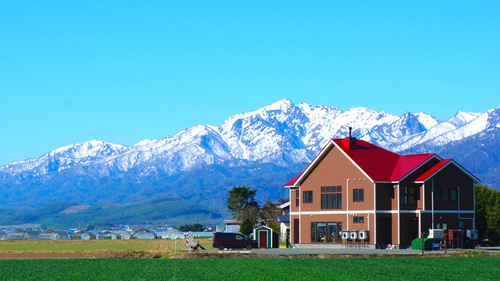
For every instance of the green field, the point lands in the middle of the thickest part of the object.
(399, 268)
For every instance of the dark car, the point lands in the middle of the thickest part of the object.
(232, 240)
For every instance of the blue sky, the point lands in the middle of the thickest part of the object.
(124, 71)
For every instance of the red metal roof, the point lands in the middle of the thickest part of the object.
(381, 164)
(377, 163)
(433, 170)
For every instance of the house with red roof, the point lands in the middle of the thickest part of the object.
(355, 192)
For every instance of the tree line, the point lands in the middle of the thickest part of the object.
(487, 214)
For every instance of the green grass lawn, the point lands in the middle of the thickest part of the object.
(399, 268)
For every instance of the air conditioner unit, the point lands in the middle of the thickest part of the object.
(353, 234)
(363, 234)
(472, 234)
(345, 234)
(436, 234)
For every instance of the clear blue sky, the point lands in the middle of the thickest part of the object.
(124, 71)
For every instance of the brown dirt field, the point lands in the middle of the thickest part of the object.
(81, 254)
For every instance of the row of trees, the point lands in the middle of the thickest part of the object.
(243, 206)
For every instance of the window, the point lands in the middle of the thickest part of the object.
(297, 198)
(358, 195)
(331, 197)
(409, 195)
(307, 197)
(445, 194)
(357, 219)
(326, 232)
(453, 195)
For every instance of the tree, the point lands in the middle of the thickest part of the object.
(241, 203)
(487, 212)
(269, 213)
(246, 227)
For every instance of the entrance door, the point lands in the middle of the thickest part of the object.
(262, 239)
(296, 231)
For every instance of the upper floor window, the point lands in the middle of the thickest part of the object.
(331, 197)
(445, 194)
(358, 195)
(409, 195)
(307, 196)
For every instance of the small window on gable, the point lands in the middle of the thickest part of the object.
(358, 195)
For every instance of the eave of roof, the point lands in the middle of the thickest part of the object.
(440, 166)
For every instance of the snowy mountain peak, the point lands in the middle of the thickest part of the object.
(281, 130)
(93, 148)
(461, 118)
(283, 105)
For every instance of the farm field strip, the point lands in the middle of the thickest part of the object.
(381, 268)
(95, 245)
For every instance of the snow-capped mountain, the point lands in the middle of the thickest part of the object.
(281, 134)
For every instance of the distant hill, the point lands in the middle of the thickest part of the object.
(158, 211)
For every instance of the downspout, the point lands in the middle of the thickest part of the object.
(474, 206)
(432, 201)
(347, 204)
(399, 214)
(374, 215)
(300, 218)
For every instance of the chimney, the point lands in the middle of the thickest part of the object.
(352, 141)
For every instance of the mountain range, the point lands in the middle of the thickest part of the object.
(262, 149)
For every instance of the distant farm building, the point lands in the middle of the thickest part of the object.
(172, 234)
(123, 234)
(232, 225)
(109, 235)
(143, 233)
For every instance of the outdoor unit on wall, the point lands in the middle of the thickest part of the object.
(345, 234)
(363, 234)
(353, 234)
(472, 234)
(436, 234)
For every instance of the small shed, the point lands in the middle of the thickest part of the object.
(264, 236)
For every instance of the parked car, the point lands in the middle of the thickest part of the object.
(232, 240)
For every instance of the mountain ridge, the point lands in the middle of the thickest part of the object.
(276, 136)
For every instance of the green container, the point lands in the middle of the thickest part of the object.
(416, 244)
